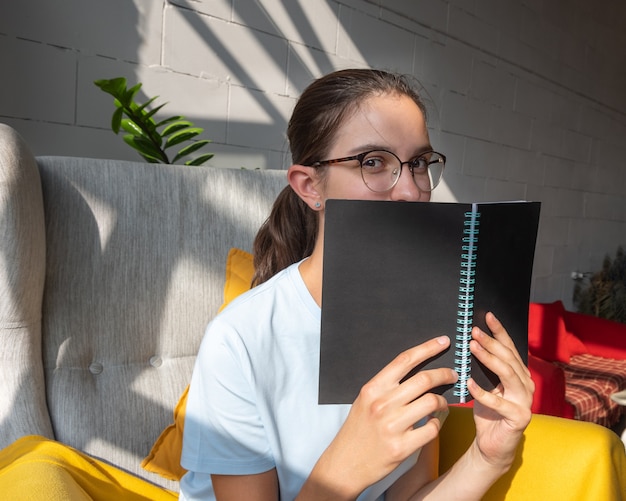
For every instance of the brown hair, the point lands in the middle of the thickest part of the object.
(290, 231)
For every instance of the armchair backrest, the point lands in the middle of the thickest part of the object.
(134, 269)
(548, 335)
(556, 334)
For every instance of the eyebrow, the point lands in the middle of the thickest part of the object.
(373, 146)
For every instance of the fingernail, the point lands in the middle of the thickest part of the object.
(443, 340)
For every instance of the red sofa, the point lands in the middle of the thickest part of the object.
(559, 342)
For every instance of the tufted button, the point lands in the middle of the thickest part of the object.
(95, 368)
(156, 361)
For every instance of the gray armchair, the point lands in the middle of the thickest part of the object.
(109, 273)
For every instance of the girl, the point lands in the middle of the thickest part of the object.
(253, 428)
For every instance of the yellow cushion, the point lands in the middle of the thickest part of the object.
(557, 459)
(239, 272)
(34, 468)
(164, 458)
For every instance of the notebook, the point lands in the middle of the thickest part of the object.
(399, 273)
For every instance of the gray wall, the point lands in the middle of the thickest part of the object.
(527, 96)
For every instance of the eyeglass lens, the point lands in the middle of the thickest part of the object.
(382, 169)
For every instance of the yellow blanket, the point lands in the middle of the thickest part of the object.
(558, 460)
(35, 468)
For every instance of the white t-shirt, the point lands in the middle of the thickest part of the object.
(252, 402)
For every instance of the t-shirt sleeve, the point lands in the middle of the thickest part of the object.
(223, 431)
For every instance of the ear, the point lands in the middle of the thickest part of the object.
(307, 185)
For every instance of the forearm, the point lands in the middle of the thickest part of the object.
(468, 479)
(326, 483)
(338, 478)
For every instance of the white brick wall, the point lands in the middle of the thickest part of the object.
(526, 97)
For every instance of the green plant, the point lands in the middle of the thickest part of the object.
(143, 133)
(604, 295)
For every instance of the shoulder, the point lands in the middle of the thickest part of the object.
(259, 312)
(285, 290)
(252, 306)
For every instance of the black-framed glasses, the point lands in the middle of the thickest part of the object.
(381, 169)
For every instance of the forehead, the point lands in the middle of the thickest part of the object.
(390, 121)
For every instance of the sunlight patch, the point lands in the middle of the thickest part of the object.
(104, 214)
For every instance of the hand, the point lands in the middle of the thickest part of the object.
(502, 415)
(379, 434)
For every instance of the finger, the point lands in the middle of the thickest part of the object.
(413, 399)
(423, 382)
(512, 411)
(428, 431)
(516, 382)
(497, 358)
(506, 352)
(423, 414)
(501, 334)
(406, 361)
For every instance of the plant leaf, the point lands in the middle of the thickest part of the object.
(153, 111)
(189, 149)
(113, 86)
(145, 148)
(132, 128)
(153, 150)
(116, 120)
(182, 136)
(169, 120)
(137, 120)
(128, 95)
(175, 127)
(142, 119)
(200, 160)
(148, 103)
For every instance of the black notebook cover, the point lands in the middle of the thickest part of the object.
(399, 273)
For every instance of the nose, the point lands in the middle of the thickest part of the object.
(406, 190)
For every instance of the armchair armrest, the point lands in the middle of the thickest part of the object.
(23, 408)
(549, 397)
(557, 459)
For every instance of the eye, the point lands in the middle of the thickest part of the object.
(419, 165)
(374, 162)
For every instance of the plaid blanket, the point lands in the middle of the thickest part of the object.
(589, 383)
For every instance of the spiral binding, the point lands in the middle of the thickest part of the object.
(465, 313)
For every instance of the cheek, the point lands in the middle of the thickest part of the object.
(347, 184)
